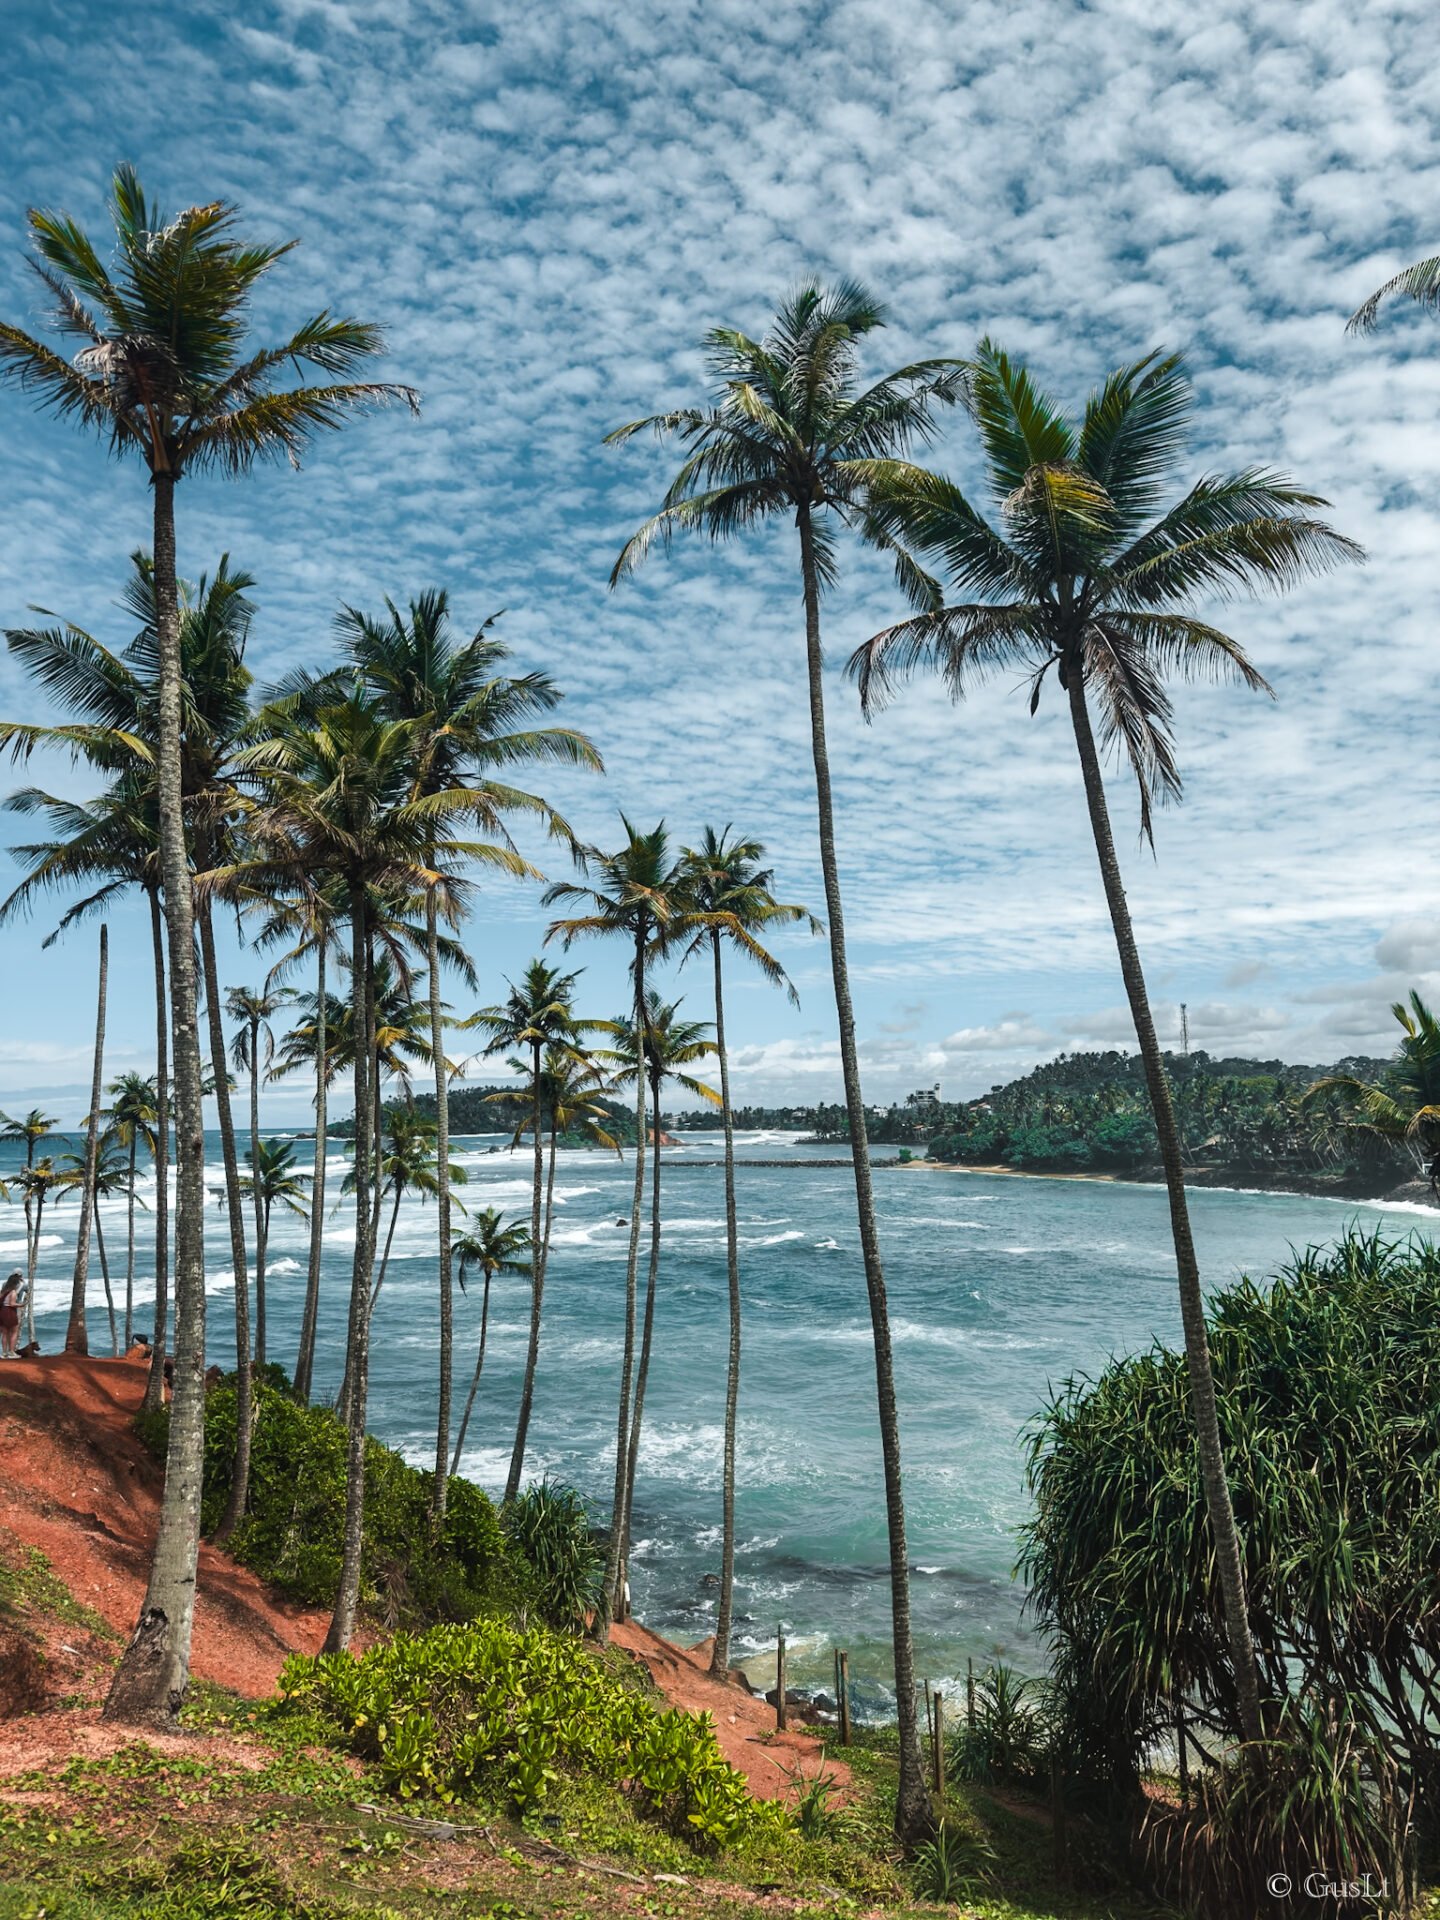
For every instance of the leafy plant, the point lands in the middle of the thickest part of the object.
(950, 1864)
(1009, 1741)
(549, 1528)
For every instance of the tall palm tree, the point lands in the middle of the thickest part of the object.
(1403, 1110)
(273, 1180)
(335, 797)
(32, 1129)
(77, 1339)
(656, 1053)
(728, 899)
(253, 1050)
(162, 373)
(471, 716)
(629, 900)
(130, 1118)
(39, 1180)
(110, 1178)
(1081, 575)
(791, 433)
(493, 1248)
(537, 1014)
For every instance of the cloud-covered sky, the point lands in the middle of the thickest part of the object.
(546, 208)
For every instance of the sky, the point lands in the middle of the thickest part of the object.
(546, 208)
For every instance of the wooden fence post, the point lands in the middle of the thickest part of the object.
(937, 1740)
(780, 1720)
(969, 1693)
(844, 1699)
(1057, 1824)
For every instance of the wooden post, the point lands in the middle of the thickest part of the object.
(1057, 1824)
(937, 1737)
(1184, 1756)
(780, 1721)
(970, 1694)
(844, 1699)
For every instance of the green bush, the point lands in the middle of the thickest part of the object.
(548, 1527)
(487, 1710)
(217, 1880)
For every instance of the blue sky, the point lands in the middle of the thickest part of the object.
(546, 208)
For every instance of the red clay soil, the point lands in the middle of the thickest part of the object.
(76, 1482)
(744, 1723)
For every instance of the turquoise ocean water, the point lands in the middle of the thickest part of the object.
(999, 1287)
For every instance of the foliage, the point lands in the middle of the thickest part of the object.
(948, 1866)
(1404, 1109)
(549, 1527)
(293, 1528)
(1329, 1393)
(487, 1709)
(1009, 1741)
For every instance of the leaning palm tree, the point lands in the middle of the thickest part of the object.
(536, 1014)
(662, 1048)
(110, 1178)
(273, 1180)
(32, 1129)
(77, 1339)
(629, 900)
(493, 1248)
(728, 899)
(252, 1048)
(791, 434)
(473, 721)
(1403, 1109)
(130, 1118)
(162, 374)
(1080, 574)
(41, 1180)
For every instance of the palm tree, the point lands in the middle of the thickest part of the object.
(131, 1118)
(273, 1179)
(335, 797)
(728, 898)
(631, 900)
(255, 1011)
(1086, 579)
(111, 1177)
(1404, 1109)
(792, 434)
(468, 712)
(494, 1248)
(536, 1015)
(77, 1338)
(38, 1180)
(32, 1129)
(664, 1045)
(162, 374)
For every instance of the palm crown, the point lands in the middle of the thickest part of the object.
(163, 370)
(727, 892)
(1083, 568)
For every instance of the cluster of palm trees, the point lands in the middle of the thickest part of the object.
(359, 803)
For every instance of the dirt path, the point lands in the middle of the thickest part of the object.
(744, 1723)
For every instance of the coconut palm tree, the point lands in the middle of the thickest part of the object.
(471, 718)
(629, 900)
(253, 1039)
(273, 1180)
(32, 1129)
(1403, 1110)
(662, 1048)
(493, 1248)
(537, 1014)
(130, 1118)
(110, 1178)
(164, 375)
(77, 1339)
(41, 1180)
(728, 899)
(792, 434)
(335, 798)
(1088, 572)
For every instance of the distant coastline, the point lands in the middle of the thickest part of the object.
(1226, 1179)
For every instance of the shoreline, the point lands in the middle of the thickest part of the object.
(1414, 1193)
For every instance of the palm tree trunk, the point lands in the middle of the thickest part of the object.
(720, 1658)
(1218, 1506)
(537, 1290)
(154, 1670)
(342, 1622)
(914, 1815)
(305, 1363)
(442, 1150)
(30, 1231)
(31, 1264)
(610, 1589)
(389, 1237)
(642, 1376)
(475, 1383)
(130, 1245)
(155, 1380)
(105, 1278)
(77, 1339)
(240, 1484)
(255, 1192)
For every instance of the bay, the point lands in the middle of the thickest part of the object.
(1000, 1287)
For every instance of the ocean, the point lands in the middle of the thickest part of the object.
(1000, 1288)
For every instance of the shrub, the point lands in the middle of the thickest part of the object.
(1009, 1742)
(549, 1527)
(948, 1866)
(488, 1710)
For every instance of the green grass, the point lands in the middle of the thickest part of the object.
(30, 1591)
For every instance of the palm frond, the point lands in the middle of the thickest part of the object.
(1420, 283)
